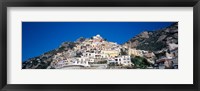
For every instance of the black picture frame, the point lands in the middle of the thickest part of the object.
(99, 3)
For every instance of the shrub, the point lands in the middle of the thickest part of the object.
(140, 62)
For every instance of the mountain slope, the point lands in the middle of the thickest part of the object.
(44, 60)
(155, 40)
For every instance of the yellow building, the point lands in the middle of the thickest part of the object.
(135, 52)
(111, 53)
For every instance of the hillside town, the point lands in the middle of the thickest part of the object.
(92, 53)
(97, 53)
(148, 50)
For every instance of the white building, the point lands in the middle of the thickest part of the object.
(80, 61)
(124, 60)
(95, 55)
(89, 55)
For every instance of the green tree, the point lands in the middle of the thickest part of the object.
(140, 62)
(102, 62)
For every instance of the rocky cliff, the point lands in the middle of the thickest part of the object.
(44, 60)
(155, 40)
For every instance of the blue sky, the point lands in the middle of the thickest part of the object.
(41, 37)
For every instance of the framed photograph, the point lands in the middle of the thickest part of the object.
(100, 45)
